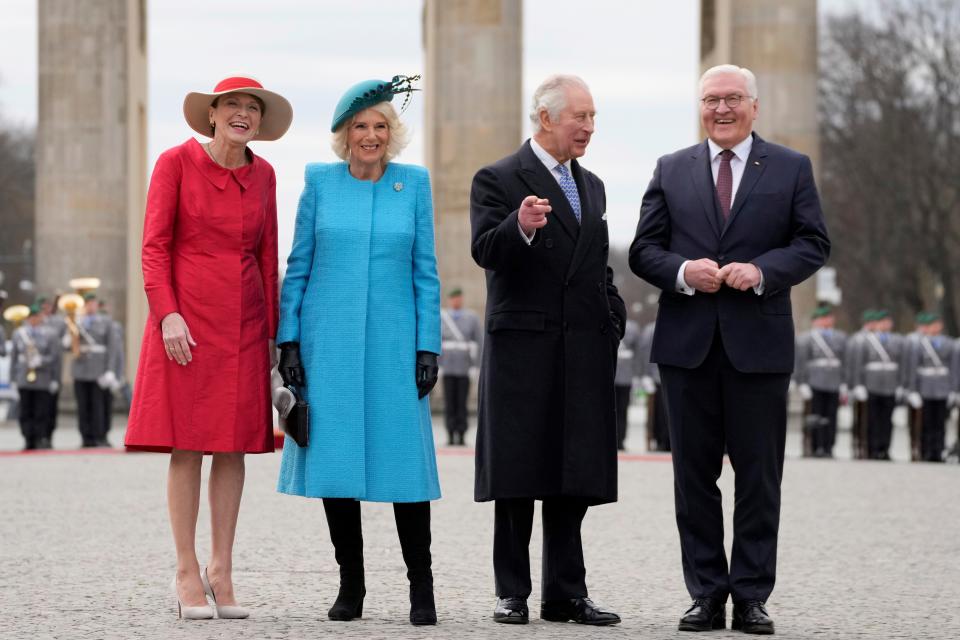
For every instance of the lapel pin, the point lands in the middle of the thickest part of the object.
(756, 162)
(398, 186)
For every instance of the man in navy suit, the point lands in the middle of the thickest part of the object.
(726, 228)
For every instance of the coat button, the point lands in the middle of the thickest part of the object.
(603, 328)
(549, 243)
(722, 257)
(606, 245)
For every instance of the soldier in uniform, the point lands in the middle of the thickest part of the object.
(462, 337)
(929, 381)
(628, 368)
(858, 400)
(877, 379)
(33, 358)
(111, 384)
(92, 373)
(55, 322)
(819, 376)
(658, 434)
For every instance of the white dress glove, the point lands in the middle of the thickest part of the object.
(805, 391)
(107, 381)
(860, 393)
(914, 400)
(647, 384)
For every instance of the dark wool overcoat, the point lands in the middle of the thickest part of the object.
(547, 426)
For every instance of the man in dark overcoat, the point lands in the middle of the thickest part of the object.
(727, 227)
(554, 319)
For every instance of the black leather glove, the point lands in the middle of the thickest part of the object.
(290, 367)
(617, 325)
(427, 372)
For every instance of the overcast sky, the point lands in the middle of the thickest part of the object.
(639, 58)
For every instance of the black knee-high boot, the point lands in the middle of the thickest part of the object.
(413, 528)
(343, 518)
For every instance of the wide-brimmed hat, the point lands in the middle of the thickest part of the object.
(364, 95)
(277, 112)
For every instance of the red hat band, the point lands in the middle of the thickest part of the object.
(237, 82)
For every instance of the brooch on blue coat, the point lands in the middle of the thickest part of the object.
(398, 186)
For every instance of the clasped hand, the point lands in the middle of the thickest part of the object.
(707, 276)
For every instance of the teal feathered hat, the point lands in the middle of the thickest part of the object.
(364, 95)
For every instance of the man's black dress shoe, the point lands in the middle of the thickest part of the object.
(705, 614)
(580, 610)
(751, 617)
(511, 611)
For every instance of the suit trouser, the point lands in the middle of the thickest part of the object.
(90, 410)
(879, 424)
(34, 415)
(107, 411)
(824, 405)
(661, 430)
(455, 392)
(710, 407)
(934, 430)
(564, 575)
(54, 410)
(622, 397)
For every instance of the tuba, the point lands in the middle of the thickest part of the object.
(71, 304)
(15, 315)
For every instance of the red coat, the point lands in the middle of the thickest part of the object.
(209, 253)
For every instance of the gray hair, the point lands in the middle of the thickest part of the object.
(399, 134)
(723, 69)
(551, 96)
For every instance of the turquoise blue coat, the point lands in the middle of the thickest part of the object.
(361, 295)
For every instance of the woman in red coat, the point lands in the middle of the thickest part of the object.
(210, 274)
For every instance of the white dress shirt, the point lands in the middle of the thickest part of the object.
(551, 164)
(741, 151)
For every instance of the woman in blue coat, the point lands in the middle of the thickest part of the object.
(360, 333)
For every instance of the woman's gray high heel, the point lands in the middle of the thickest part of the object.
(204, 612)
(224, 611)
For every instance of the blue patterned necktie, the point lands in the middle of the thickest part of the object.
(569, 187)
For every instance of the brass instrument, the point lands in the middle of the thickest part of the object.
(15, 315)
(84, 285)
(71, 304)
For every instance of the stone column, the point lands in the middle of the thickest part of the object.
(777, 40)
(473, 116)
(91, 151)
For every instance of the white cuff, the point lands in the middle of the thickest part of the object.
(526, 239)
(682, 286)
(759, 288)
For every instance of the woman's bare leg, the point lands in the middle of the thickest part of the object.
(226, 488)
(183, 501)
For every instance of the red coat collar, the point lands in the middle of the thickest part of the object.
(216, 174)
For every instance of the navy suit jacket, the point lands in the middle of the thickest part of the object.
(775, 223)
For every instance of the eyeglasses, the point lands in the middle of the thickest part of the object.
(732, 101)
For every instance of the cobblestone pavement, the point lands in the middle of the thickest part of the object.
(867, 550)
